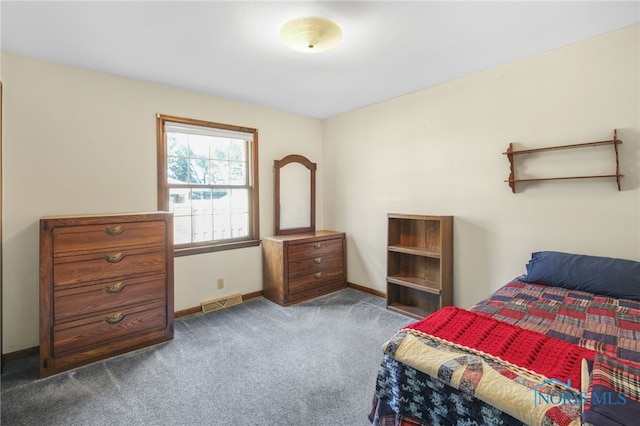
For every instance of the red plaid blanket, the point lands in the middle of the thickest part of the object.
(550, 357)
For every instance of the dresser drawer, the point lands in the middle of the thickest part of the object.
(317, 248)
(311, 265)
(108, 265)
(83, 334)
(317, 279)
(74, 239)
(86, 300)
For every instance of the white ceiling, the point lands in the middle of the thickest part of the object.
(231, 49)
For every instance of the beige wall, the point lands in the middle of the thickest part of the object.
(439, 151)
(80, 142)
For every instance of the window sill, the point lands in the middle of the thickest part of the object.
(187, 251)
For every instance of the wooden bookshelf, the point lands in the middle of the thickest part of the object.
(419, 263)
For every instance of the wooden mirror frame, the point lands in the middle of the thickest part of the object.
(278, 164)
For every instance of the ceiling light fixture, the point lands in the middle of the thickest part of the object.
(311, 35)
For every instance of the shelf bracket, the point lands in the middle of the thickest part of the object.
(512, 172)
(615, 147)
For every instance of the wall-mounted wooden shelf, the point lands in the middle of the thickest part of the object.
(511, 153)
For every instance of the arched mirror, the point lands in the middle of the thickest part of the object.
(295, 195)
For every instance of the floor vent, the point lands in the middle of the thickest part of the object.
(221, 302)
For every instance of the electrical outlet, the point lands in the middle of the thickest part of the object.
(220, 283)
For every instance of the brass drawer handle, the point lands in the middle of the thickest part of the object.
(317, 245)
(114, 230)
(318, 275)
(114, 257)
(114, 287)
(317, 259)
(114, 318)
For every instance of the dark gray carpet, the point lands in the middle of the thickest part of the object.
(258, 363)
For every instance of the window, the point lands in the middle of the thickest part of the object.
(208, 179)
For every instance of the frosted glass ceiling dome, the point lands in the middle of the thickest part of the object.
(311, 35)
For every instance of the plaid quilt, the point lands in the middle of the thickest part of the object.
(508, 387)
(406, 396)
(603, 324)
(606, 325)
(613, 396)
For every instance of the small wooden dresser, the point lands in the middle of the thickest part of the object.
(106, 286)
(301, 266)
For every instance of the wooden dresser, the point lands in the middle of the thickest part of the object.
(302, 266)
(106, 286)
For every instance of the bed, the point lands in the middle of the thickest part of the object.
(559, 345)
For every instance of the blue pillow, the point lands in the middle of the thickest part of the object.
(619, 278)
